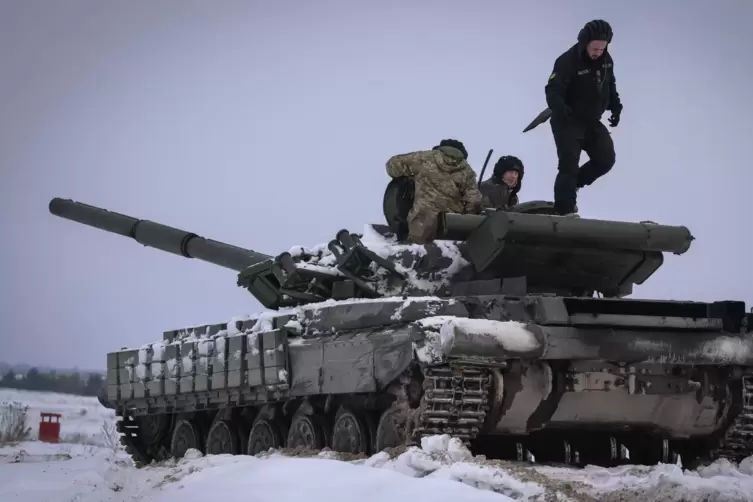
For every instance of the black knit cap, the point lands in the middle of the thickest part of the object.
(455, 144)
(598, 29)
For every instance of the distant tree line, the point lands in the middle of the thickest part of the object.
(66, 383)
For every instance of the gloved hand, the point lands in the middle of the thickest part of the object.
(614, 119)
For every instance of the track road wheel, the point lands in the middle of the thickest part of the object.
(153, 428)
(263, 436)
(185, 437)
(350, 432)
(307, 431)
(222, 438)
(390, 432)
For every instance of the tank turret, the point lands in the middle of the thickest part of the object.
(527, 253)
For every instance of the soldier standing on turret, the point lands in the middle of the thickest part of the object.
(580, 88)
(444, 182)
(500, 191)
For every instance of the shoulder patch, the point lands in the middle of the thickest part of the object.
(552, 75)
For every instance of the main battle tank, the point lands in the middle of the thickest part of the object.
(511, 331)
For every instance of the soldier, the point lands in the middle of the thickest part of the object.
(500, 191)
(444, 182)
(580, 88)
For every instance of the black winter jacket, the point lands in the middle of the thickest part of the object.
(582, 88)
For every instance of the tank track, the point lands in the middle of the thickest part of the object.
(132, 443)
(455, 402)
(737, 442)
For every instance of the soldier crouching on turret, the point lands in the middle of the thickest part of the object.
(444, 182)
(500, 191)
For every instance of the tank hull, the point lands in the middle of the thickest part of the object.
(402, 368)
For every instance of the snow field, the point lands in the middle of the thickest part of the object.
(442, 469)
(82, 421)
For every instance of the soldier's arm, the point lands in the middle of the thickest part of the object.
(405, 164)
(471, 194)
(556, 87)
(615, 103)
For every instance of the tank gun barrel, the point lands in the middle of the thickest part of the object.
(165, 238)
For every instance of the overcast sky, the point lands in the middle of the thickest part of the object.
(267, 125)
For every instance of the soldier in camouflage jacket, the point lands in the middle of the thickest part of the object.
(444, 182)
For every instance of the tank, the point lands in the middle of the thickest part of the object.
(512, 331)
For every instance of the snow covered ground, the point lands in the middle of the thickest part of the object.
(441, 470)
(82, 417)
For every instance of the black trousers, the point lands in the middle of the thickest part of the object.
(571, 137)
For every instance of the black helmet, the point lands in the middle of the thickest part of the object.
(455, 144)
(598, 29)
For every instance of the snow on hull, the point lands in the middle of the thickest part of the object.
(194, 362)
(448, 335)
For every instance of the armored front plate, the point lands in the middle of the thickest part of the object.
(275, 357)
(112, 376)
(125, 375)
(126, 390)
(187, 367)
(127, 358)
(219, 363)
(172, 368)
(236, 352)
(235, 379)
(254, 376)
(158, 354)
(139, 390)
(187, 355)
(156, 384)
(112, 360)
(185, 384)
(201, 380)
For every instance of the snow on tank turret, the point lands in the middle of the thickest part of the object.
(512, 332)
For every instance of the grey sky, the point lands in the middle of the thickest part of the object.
(267, 125)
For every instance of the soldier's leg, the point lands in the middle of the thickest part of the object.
(567, 141)
(599, 146)
(422, 225)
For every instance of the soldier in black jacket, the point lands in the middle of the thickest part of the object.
(580, 89)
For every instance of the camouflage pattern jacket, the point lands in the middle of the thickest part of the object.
(497, 195)
(443, 180)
